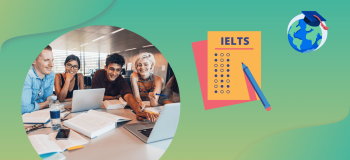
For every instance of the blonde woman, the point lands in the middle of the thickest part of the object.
(144, 83)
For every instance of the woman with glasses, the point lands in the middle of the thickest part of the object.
(144, 83)
(66, 83)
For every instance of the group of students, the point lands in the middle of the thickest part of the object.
(40, 80)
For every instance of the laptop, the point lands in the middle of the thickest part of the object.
(163, 128)
(87, 99)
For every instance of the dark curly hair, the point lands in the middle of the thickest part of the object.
(174, 87)
(72, 58)
(48, 47)
(115, 58)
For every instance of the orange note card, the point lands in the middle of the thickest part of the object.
(227, 50)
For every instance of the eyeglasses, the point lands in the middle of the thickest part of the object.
(74, 67)
(33, 128)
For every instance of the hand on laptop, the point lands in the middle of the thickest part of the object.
(145, 115)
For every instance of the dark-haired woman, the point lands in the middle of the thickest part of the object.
(66, 83)
(171, 92)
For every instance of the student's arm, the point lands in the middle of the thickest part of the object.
(26, 104)
(157, 89)
(81, 81)
(167, 92)
(135, 88)
(62, 92)
(109, 97)
(126, 93)
(45, 104)
(129, 98)
(167, 102)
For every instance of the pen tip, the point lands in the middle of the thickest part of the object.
(268, 108)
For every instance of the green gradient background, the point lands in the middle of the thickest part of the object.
(305, 90)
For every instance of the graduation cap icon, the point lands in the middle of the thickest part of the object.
(312, 18)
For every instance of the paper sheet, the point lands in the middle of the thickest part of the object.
(227, 50)
(74, 140)
(153, 110)
(42, 144)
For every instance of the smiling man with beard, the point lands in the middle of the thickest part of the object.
(38, 85)
(114, 84)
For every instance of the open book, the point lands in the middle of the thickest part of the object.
(94, 123)
(115, 103)
(48, 144)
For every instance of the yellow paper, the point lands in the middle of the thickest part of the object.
(232, 48)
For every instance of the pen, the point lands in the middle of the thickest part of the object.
(160, 95)
(256, 87)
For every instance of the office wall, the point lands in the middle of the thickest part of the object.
(160, 60)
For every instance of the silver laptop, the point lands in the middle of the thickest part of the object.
(163, 128)
(87, 99)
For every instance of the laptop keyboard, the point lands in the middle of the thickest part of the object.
(146, 132)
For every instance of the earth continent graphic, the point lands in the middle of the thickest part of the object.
(303, 37)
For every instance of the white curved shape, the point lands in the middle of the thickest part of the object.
(324, 36)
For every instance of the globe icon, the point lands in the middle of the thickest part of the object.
(303, 37)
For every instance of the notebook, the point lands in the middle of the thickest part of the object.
(115, 103)
(40, 116)
(44, 144)
(94, 123)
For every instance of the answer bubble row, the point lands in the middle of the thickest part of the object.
(222, 75)
(222, 54)
(222, 91)
(222, 70)
(222, 60)
(221, 65)
(222, 81)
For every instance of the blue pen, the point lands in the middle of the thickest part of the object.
(160, 95)
(256, 87)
